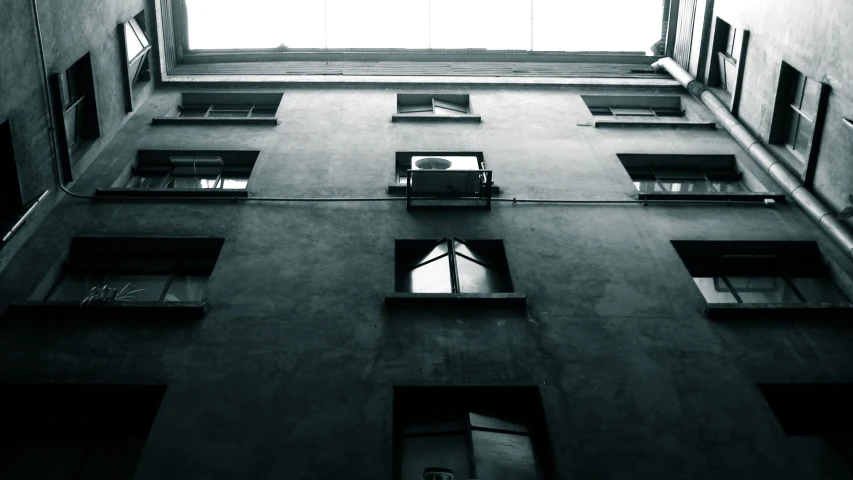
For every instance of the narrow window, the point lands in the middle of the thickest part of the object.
(10, 189)
(424, 104)
(137, 46)
(452, 265)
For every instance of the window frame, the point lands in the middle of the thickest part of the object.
(483, 248)
(217, 101)
(423, 108)
(728, 46)
(73, 96)
(137, 69)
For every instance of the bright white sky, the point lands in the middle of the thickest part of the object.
(558, 25)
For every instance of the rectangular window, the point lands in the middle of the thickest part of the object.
(436, 104)
(634, 105)
(102, 271)
(798, 119)
(186, 173)
(685, 180)
(761, 273)
(452, 265)
(224, 107)
(74, 107)
(133, 37)
(470, 432)
(75, 431)
(11, 200)
(728, 46)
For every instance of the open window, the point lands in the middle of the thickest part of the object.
(725, 72)
(73, 93)
(640, 111)
(136, 45)
(798, 120)
(470, 432)
(697, 177)
(170, 173)
(224, 108)
(126, 277)
(452, 265)
(434, 107)
(75, 431)
(749, 279)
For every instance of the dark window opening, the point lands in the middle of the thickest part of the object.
(684, 174)
(470, 432)
(192, 170)
(75, 431)
(452, 265)
(439, 104)
(760, 272)
(78, 97)
(227, 105)
(11, 200)
(135, 270)
(634, 105)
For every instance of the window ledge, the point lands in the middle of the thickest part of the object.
(779, 311)
(733, 196)
(429, 117)
(509, 300)
(400, 189)
(107, 193)
(213, 121)
(642, 124)
(116, 311)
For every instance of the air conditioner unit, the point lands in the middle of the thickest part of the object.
(453, 177)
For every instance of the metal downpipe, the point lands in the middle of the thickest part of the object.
(791, 184)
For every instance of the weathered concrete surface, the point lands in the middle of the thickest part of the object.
(814, 37)
(69, 29)
(291, 373)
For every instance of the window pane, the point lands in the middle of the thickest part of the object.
(819, 289)
(728, 186)
(235, 183)
(437, 251)
(811, 95)
(797, 86)
(186, 288)
(625, 111)
(504, 455)
(74, 287)
(445, 111)
(414, 108)
(451, 106)
(134, 47)
(714, 290)
(647, 186)
(184, 182)
(474, 277)
(793, 127)
(804, 137)
(444, 451)
(763, 290)
(462, 248)
(147, 181)
(687, 186)
(434, 277)
(140, 33)
(138, 288)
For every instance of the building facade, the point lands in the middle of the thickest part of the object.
(239, 286)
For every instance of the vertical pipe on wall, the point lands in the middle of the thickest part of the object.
(792, 185)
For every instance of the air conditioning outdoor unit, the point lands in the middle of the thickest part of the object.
(455, 174)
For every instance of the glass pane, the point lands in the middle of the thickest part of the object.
(494, 423)
(434, 277)
(209, 182)
(184, 182)
(763, 290)
(140, 33)
(793, 127)
(414, 108)
(451, 106)
(625, 111)
(688, 186)
(443, 451)
(646, 186)
(134, 47)
(811, 96)
(804, 137)
(147, 181)
(70, 121)
(504, 455)
(797, 86)
(437, 251)
(474, 277)
(74, 287)
(729, 186)
(715, 290)
(462, 248)
(235, 183)
(678, 174)
(445, 111)
(186, 288)
(138, 288)
(819, 289)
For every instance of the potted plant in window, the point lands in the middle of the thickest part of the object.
(105, 294)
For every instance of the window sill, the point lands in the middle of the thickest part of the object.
(642, 124)
(507, 300)
(778, 311)
(429, 117)
(400, 189)
(117, 311)
(757, 197)
(107, 193)
(213, 121)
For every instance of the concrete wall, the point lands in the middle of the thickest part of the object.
(814, 37)
(70, 29)
(290, 375)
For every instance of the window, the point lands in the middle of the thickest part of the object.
(10, 189)
(191, 173)
(798, 118)
(761, 273)
(685, 180)
(112, 271)
(634, 106)
(821, 410)
(136, 44)
(470, 432)
(726, 66)
(433, 107)
(452, 265)
(75, 431)
(186, 173)
(73, 92)
(224, 107)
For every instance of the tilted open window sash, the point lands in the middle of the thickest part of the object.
(191, 173)
(452, 265)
